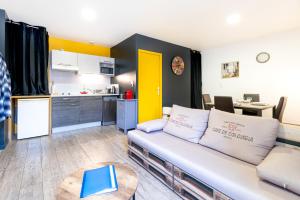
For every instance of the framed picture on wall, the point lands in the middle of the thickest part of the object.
(230, 70)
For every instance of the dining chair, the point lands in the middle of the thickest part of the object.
(254, 98)
(279, 110)
(206, 99)
(224, 103)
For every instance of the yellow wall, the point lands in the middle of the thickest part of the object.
(79, 47)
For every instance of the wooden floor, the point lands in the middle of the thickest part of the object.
(31, 169)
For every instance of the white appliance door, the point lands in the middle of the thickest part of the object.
(32, 117)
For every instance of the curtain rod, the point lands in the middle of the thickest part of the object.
(18, 23)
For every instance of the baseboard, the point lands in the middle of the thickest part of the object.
(289, 142)
(75, 127)
(108, 123)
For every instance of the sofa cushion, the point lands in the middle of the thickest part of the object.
(282, 167)
(235, 178)
(152, 125)
(187, 123)
(245, 137)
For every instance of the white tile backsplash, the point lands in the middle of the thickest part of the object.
(65, 82)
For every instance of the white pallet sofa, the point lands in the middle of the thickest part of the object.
(196, 172)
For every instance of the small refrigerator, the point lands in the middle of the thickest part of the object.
(32, 117)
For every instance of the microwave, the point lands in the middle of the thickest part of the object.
(107, 68)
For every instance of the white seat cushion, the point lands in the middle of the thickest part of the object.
(235, 178)
(282, 167)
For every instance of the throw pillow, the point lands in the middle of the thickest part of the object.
(187, 123)
(247, 138)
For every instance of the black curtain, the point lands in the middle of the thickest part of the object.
(27, 58)
(196, 82)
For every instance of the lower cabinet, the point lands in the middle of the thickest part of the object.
(65, 111)
(126, 114)
(90, 109)
(68, 111)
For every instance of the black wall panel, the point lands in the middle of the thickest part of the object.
(176, 89)
(2, 31)
(3, 132)
(126, 57)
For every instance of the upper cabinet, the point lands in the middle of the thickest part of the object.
(82, 63)
(64, 60)
(107, 60)
(88, 64)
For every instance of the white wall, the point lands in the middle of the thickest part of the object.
(65, 82)
(278, 77)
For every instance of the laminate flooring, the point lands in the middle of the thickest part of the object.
(32, 169)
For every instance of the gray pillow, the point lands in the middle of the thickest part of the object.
(152, 125)
(247, 138)
(187, 123)
(282, 167)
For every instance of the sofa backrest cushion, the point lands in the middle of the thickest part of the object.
(187, 123)
(247, 138)
(281, 167)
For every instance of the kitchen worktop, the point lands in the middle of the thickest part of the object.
(83, 95)
(30, 97)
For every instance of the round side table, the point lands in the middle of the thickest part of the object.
(127, 179)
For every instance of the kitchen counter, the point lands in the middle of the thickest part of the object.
(84, 95)
(30, 97)
(70, 112)
(71, 95)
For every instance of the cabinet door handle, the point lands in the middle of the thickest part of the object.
(66, 98)
(63, 64)
(158, 91)
(73, 104)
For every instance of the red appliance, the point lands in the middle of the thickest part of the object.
(128, 94)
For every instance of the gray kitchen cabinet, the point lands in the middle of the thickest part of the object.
(126, 114)
(68, 111)
(65, 111)
(90, 109)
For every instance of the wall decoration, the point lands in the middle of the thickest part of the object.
(230, 70)
(177, 65)
(263, 57)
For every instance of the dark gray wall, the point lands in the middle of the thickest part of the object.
(3, 16)
(2, 31)
(125, 54)
(176, 89)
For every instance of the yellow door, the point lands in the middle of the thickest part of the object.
(149, 85)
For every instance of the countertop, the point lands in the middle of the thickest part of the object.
(53, 96)
(84, 95)
(127, 99)
(30, 97)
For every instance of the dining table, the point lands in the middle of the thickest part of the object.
(258, 107)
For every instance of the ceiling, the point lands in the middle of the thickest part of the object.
(198, 24)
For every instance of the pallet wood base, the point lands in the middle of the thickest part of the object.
(183, 184)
